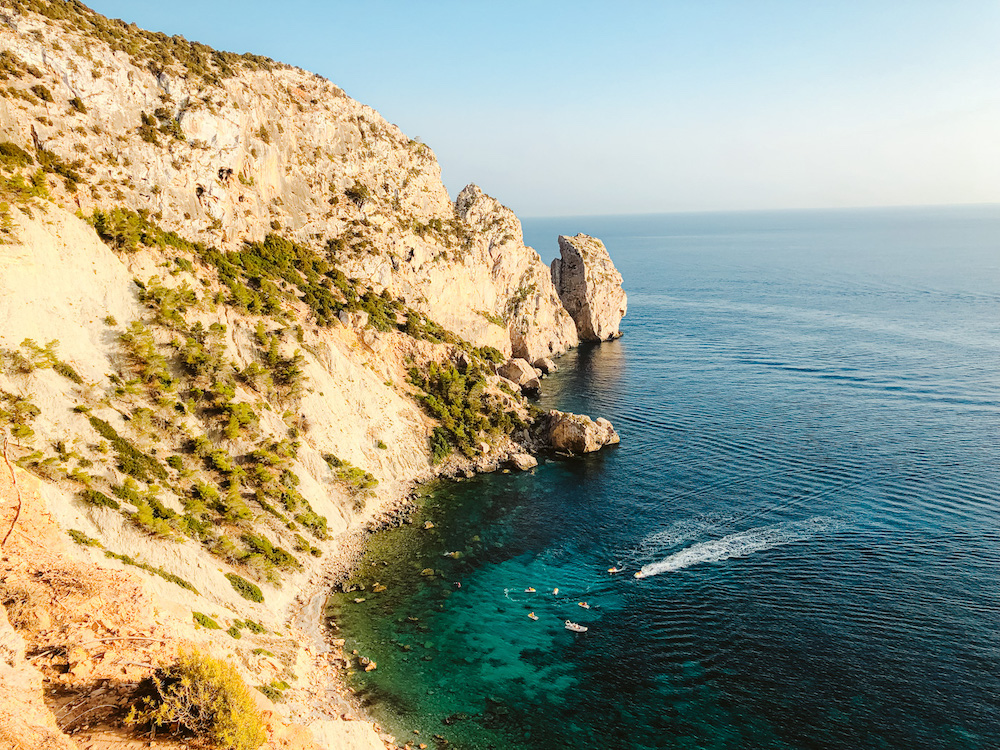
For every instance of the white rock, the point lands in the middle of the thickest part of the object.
(590, 287)
(523, 461)
(577, 433)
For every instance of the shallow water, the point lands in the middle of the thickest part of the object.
(809, 406)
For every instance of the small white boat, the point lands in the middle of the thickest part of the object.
(529, 590)
(583, 604)
(639, 574)
(555, 592)
(575, 627)
(615, 570)
(532, 615)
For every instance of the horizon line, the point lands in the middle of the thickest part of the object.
(904, 206)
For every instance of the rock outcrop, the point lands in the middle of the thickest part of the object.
(519, 290)
(590, 287)
(578, 433)
(519, 372)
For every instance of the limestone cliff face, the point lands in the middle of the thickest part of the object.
(271, 148)
(590, 287)
(220, 451)
(539, 326)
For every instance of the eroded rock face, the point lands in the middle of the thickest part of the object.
(520, 290)
(590, 287)
(282, 150)
(578, 433)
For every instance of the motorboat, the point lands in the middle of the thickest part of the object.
(532, 615)
(583, 604)
(575, 627)
(639, 574)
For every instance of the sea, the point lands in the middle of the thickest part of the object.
(808, 480)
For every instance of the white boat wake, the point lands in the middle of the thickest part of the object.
(740, 544)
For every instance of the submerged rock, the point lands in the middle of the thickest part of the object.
(590, 287)
(578, 433)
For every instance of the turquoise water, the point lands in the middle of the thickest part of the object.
(809, 406)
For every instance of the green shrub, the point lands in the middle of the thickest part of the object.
(279, 557)
(255, 627)
(356, 481)
(440, 445)
(82, 539)
(93, 497)
(234, 632)
(206, 697)
(464, 407)
(130, 459)
(42, 92)
(273, 694)
(13, 156)
(315, 523)
(244, 588)
(67, 371)
(165, 575)
(77, 104)
(205, 621)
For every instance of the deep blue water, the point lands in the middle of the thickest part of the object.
(809, 407)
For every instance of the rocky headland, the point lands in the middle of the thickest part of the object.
(240, 317)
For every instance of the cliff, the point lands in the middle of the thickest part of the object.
(239, 318)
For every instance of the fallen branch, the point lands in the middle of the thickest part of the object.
(78, 717)
(122, 638)
(17, 489)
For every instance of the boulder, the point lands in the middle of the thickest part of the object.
(578, 433)
(356, 319)
(546, 365)
(590, 287)
(518, 370)
(523, 461)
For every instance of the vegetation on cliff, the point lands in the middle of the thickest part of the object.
(206, 698)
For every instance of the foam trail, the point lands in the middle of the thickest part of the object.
(740, 544)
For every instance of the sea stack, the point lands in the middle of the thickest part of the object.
(590, 287)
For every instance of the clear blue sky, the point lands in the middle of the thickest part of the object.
(562, 108)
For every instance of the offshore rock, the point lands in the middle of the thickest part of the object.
(577, 433)
(590, 287)
(546, 365)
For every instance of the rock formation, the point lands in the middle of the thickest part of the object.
(590, 287)
(577, 433)
(520, 373)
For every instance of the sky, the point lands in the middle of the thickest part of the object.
(588, 108)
